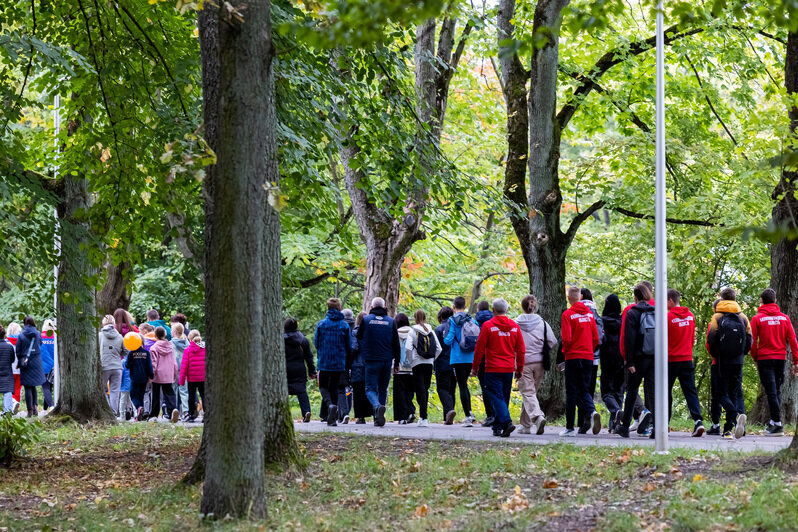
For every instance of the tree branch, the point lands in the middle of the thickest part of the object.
(677, 221)
(579, 219)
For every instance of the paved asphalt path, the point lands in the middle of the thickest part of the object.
(435, 431)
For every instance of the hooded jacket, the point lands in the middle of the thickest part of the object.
(378, 338)
(358, 373)
(623, 326)
(611, 347)
(332, 342)
(405, 366)
(161, 323)
(456, 356)
(633, 340)
(416, 331)
(772, 330)
(501, 344)
(193, 367)
(48, 352)
(532, 327)
(442, 361)
(599, 325)
(482, 317)
(681, 334)
(298, 358)
(164, 364)
(728, 307)
(179, 345)
(33, 374)
(579, 332)
(6, 370)
(111, 348)
(139, 362)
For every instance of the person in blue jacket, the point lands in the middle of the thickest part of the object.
(154, 319)
(48, 362)
(139, 363)
(31, 375)
(461, 360)
(379, 345)
(333, 348)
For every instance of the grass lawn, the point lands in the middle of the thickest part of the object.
(126, 476)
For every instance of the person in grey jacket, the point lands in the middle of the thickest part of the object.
(112, 351)
(6, 372)
(534, 330)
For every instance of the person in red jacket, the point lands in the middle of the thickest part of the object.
(501, 344)
(772, 330)
(579, 340)
(681, 339)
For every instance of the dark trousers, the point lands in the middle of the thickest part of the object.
(714, 395)
(499, 386)
(644, 370)
(612, 384)
(403, 396)
(168, 395)
(47, 391)
(685, 372)
(462, 372)
(328, 386)
(360, 402)
(445, 382)
(199, 387)
(378, 377)
(422, 378)
(137, 391)
(591, 389)
(730, 378)
(489, 412)
(31, 398)
(578, 373)
(771, 375)
(304, 401)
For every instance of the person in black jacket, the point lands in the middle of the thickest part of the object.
(31, 375)
(445, 379)
(360, 402)
(139, 363)
(6, 372)
(297, 356)
(612, 373)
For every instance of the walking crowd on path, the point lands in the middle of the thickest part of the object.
(358, 356)
(147, 370)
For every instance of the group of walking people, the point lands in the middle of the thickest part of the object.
(358, 355)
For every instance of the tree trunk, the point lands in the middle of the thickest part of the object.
(114, 293)
(238, 242)
(81, 395)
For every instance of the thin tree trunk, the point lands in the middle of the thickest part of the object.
(238, 282)
(114, 293)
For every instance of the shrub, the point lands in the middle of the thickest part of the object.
(16, 435)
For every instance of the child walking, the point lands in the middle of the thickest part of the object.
(139, 363)
(192, 370)
(164, 369)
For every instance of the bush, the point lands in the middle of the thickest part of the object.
(16, 435)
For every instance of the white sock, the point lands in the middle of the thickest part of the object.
(778, 423)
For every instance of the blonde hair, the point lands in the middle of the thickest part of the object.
(13, 329)
(146, 328)
(178, 330)
(107, 320)
(194, 336)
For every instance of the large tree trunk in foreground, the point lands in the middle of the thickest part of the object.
(114, 293)
(235, 274)
(81, 394)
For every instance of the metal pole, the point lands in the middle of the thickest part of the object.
(661, 281)
(57, 245)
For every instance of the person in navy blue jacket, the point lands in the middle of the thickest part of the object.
(379, 344)
(29, 344)
(333, 347)
(140, 365)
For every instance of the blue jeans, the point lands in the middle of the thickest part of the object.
(8, 402)
(378, 376)
(498, 386)
(578, 375)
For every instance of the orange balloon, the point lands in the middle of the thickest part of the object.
(132, 341)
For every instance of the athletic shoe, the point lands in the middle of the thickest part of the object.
(411, 418)
(524, 430)
(402, 422)
(774, 430)
(496, 433)
(332, 416)
(175, 415)
(423, 422)
(138, 413)
(128, 415)
(468, 421)
(618, 420)
(568, 433)
(622, 431)
(360, 421)
(306, 418)
(345, 420)
(583, 429)
(698, 429)
(652, 435)
(714, 430)
(540, 424)
(508, 429)
(15, 409)
(488, 421)
(595, 422)
(635, 423)
(727, 435)
(449, 417)
(645, 421)
(739, 430)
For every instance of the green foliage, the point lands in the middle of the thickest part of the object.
(17, 435)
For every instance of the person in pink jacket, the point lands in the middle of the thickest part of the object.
(164, 368)
(192, 369)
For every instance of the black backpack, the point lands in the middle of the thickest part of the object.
(731, 339)
(648, 324)
(424, 346)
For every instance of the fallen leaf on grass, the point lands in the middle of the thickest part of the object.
(421, 511)
(698, 477)
(550, 484)
(516, 502)
(650, 486)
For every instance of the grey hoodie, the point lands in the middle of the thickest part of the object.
(600, 325)
(179, 345)
(531, 326)
(111, 348)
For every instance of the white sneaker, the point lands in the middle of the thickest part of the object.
(595, 422)
(15, 408)
(633, 426)
(524, 430)
(468, 421)
(423, 423)
(739, 430)
(345, 421)
(568, 433)
(175, 415)
(540, 425)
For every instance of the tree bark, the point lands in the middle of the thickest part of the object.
(114, 293)
(81, 395)
(239, 278)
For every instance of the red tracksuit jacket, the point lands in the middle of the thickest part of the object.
(681, 334)
(579, 332)
(501, 343)
(772, 330)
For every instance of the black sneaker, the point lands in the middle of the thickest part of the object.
(645, 421)
(449, 417)
(332, 416)
(345, 420)
(508, 429)
(582, 430)
(728, 435)
(488, 421)
(360, 421)
(698, 429)
(774, 430)
(618, 420)
(379, 417)
(622, 431)
(410, 419)
(128, 415)
(651, 436)
(714, 430)
(595, 422)
(306, 418)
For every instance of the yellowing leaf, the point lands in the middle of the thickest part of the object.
(550, 484)
(421, 511)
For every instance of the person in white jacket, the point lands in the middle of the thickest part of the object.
(534, 329)
(422, 348)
